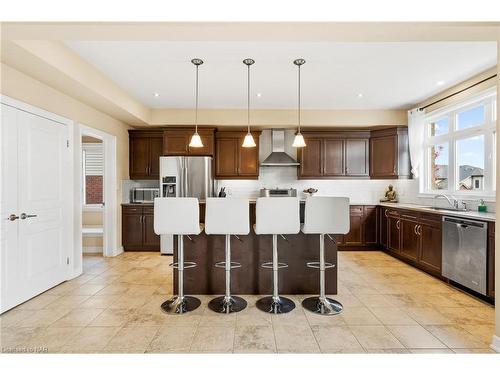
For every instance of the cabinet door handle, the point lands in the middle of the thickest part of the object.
(397, 224)
(385, 213)
(415, 229)
(419, 230)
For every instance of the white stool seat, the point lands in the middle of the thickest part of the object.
(227, 216)
(177, 216)
(326, 215)
(277, 215)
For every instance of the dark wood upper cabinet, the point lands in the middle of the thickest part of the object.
(356, 157)
(333, 157)
(226, 163)
(389, 153)
(310, 159)
(176, 141)
(145, 149)
(232, 161)
(334, 154)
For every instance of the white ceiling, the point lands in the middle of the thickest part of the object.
(388, 75)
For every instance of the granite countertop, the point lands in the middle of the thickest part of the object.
(486, 216)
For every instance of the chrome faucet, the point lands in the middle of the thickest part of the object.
(455, 203)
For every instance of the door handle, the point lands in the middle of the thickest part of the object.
(12, 217)
(419, 230)
(26, 216)
(397, 224)
(415, 229)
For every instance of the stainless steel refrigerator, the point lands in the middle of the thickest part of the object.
(184, 176)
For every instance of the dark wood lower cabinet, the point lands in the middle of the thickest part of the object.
(410, 239)
(393, 237)
(137, 229)
(363, 229)
(431, 246)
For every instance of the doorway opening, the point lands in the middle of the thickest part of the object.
(92, 194)
(97, 189)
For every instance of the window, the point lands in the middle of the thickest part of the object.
(460, 148)
(93, 168)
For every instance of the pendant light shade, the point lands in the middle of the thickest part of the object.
(196, 139)
(298, 141)
(248, 141)
(299, 138)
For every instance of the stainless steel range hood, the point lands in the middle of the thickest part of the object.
(278, 156)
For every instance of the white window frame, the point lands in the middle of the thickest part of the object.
(92, 207)
(488, 130)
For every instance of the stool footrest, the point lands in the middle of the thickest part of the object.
(222, 264)
(186, 265)
(317, 265)
(269, 265)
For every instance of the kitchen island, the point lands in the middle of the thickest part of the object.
(251, 251)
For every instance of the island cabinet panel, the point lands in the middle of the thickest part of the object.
(232, 161)
(145, 149)
(491, 260)
(176, 141)
(389, 153)
(334, 154)
(138, 228)
(363, 229)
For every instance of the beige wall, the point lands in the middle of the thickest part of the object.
(26, 89)
(279, 117)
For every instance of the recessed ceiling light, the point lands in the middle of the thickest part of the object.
(258, 95)
(156, 94)
(440, 83)
(360, 95)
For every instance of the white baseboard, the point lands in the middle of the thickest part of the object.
(495, 343)
(92, 249)
(117, 252)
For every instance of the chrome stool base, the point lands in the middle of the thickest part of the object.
(180, 305)
(280, 305)
(322, 306)
(221, 305)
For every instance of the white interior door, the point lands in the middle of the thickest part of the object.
(36, 169)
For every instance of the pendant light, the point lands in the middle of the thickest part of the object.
(299, 138)
(248, 141)
(196, 139)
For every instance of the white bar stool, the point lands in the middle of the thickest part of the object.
(276, 216)
(324, 215)
(178, 216)
(227, 216)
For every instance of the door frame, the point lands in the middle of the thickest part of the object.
(69, 196)
(110, 217)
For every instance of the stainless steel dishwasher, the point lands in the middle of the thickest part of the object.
(464, 252)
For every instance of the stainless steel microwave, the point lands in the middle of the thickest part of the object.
(144, 195)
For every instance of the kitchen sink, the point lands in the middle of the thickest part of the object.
(448, 209)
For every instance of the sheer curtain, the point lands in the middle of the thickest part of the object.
(416, 139)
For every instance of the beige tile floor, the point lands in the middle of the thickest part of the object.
(389, 307)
